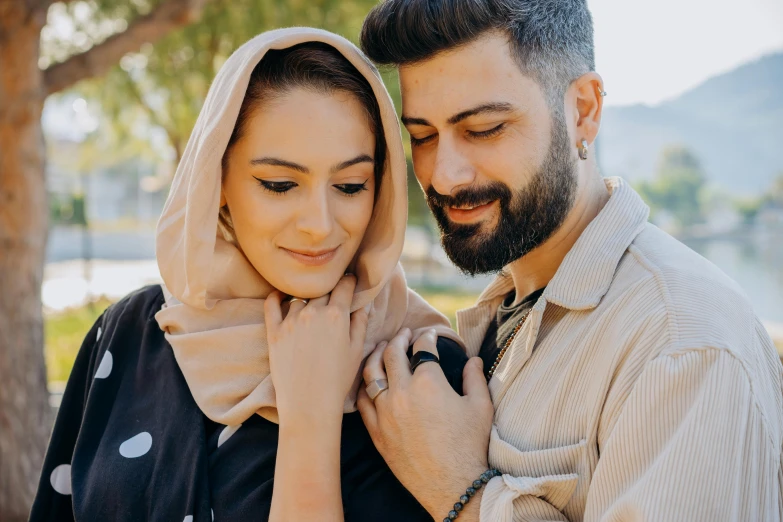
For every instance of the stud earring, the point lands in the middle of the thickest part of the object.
(583, 150)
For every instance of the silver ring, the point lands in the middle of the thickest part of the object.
(294, 299)
(376, 387)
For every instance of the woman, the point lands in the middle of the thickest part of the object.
(218, 396)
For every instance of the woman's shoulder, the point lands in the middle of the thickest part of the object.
(143, 303)
(131, 315)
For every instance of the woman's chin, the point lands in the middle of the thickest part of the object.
(308, 289)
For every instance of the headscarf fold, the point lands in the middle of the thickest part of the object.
(214, 310)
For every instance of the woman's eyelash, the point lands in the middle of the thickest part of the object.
(488, 133)
(352, 189)
(281, 187)
(276, 187)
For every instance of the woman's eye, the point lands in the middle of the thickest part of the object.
(494, 131)
(421, 141)
(277, 187)
(351, 189)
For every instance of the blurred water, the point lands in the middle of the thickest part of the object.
(126, 261)
(756, 263)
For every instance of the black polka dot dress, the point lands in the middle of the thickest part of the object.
(130, 445)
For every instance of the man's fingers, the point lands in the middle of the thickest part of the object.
(395, 359)
(367, 411)
(474, 384)
(342, 295)
(373, 367)
(358, 328)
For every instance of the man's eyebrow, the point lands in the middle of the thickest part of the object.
(363, 158)
(275, 162)
(408, 120)
(481, 109)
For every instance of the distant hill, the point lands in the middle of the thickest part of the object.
(733, 122)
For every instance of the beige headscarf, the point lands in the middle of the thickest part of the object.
(214, 311)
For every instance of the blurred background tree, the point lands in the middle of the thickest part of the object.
(678, 188)
(149, 64)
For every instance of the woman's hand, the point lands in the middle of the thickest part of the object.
(315, 352)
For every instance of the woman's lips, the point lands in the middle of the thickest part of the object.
(312, 258)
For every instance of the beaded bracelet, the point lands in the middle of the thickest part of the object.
(470, 492)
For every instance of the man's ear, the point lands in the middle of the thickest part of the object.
(589, 94)
(222, 198)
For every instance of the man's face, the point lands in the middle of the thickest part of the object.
(497, 166)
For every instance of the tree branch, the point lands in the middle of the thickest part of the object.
(151, 113)
(167, 16)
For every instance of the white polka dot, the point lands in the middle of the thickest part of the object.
(104, 369)
(136, 446)
(98, 337)
(61, 479)
(188, 518)
(226, 433)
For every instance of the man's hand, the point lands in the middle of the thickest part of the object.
(434, 440)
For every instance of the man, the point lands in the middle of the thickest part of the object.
(629, 377)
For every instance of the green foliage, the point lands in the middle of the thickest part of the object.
(678, 188)
(749, 208)
(164, 86)
(67, 209)
(63, 336)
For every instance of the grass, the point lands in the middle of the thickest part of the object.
(65, 331)
(448, 301)
(63, 336)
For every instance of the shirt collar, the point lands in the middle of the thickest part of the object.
(587, 271)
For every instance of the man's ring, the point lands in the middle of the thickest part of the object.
(422, 357)
(294, 299)
(376, 387)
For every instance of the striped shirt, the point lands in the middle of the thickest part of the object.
(642, 387)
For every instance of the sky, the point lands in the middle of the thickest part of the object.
(650, 51)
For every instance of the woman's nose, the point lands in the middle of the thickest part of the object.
(315, 217)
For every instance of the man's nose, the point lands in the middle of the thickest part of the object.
(452, 169)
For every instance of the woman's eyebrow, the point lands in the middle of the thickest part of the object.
(363, 158)
(276, 162)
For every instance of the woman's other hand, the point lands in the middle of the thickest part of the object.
(314, 352)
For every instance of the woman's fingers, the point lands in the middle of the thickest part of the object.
(342, 295)
(319, 301)
(273, 314)
(294, 307)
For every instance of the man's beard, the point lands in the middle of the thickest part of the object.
(527, 217)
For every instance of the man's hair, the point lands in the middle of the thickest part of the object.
(552, 40)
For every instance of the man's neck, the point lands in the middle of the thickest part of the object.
(537, 268)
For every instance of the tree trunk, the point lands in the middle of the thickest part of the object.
(25, 415)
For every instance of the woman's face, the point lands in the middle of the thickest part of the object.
(300, 188)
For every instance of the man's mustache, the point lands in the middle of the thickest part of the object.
(472, 196)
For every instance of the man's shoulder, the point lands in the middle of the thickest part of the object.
(700, 305)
